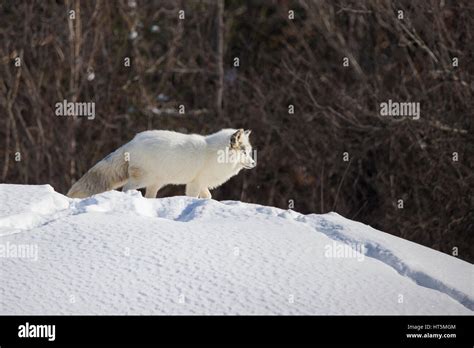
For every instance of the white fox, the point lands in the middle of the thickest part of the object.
(153, 159)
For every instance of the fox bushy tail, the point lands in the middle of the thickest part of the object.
(110, 173)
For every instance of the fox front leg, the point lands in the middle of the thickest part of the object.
(205, 193)
(193, 190)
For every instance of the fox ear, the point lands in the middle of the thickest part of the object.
(236, 138)
(247, 132)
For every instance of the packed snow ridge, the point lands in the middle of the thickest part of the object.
(120, 253)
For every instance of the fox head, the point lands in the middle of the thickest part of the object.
(240, 145)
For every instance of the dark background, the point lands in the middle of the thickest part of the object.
(300, 62)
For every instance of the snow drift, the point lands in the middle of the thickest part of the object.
(120, 253)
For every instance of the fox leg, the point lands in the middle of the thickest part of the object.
(136, 179)
(192, 190)
(205, 193)
(132, 184)
(152, 190)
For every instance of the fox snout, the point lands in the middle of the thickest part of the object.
(250, 164)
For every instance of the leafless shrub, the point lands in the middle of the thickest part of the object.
(282, 61)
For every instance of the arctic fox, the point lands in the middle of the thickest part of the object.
(155, 158)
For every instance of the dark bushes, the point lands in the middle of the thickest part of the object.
(299, 62)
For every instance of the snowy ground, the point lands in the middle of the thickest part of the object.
(119, 253)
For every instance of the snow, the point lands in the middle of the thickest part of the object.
(120, 253)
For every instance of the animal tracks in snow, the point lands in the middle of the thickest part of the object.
(277, 248)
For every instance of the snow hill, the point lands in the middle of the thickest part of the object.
(120, 253)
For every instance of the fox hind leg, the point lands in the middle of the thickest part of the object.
(136, 179)
(152, 190)
(132, 184)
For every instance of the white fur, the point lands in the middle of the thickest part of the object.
(158, 158)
